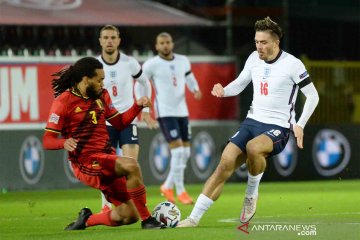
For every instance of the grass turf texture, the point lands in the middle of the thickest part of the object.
(332, 206)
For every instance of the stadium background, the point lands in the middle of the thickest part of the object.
(38, 37)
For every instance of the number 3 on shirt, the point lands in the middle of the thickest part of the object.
(93, 117)
(264, 88)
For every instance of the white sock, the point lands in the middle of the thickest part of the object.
(175, 162)
(105, 202)
(252, 189)
(187, 154)
(203, 203)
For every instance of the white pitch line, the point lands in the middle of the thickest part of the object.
(231, 220)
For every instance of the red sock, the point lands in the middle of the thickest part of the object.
(138, 195)
(102, 218)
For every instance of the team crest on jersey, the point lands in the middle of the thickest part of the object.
(112, 74)
(54, 118)
(267, 72)
(172, 67)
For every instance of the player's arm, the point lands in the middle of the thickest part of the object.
(142, 88)
(193, 85)
(238, 85)
(51, 137)
(312, 100)
(121, 121)
(52, 141)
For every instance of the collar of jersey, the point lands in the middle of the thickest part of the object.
(77, 94)
(117, 59)
(275, 59)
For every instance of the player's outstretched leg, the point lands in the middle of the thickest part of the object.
(80, 223)
(187, 222)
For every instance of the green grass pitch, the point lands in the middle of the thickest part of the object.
(332, 207)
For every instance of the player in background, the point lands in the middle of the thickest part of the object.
(169, 73)
(78, 113)
(120, 72)
(276, 77)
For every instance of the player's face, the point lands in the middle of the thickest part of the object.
(95, 84)
(109, 41)
(164, 45)
(266, 45)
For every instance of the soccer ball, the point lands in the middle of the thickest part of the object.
(167, 213)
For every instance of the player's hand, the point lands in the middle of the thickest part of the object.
(218, 90)
(70, 144)
(299, 135)
(150, 122)
(197, 95)
(144, 102)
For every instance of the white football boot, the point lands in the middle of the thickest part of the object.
(249, 209)
(187, 222)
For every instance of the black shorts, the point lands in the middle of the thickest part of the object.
(175, 128)
(128, 135)
(251, 128)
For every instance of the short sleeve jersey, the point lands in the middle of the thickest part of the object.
(82, 119)
(169, 81)
(275, 87)
(119, 80)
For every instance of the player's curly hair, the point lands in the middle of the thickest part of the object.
(269, 25)
(69, 76)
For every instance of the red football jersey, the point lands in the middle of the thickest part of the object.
(82, 119)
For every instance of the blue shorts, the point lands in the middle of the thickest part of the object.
(251, 128)
(175, 128)
(128, 135)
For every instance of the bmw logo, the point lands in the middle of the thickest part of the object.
(159, 157)
(31, 160)
(203, 152)
(331, 152)
(285, 162)
(242, 171)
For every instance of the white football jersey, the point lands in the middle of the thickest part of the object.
(119, 80)
(169, 78)
(275, 87)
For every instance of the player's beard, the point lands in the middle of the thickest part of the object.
(92, 93)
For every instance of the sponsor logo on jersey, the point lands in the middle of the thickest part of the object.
(78, 109)
(203, 149)
(331, 152)
(286, 161)
(159, 156)
(31, 160)
(54, 118)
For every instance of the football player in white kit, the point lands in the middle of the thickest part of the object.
(170, 73)
(120, 72)
(276, 77)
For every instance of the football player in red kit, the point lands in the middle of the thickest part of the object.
(78, 113)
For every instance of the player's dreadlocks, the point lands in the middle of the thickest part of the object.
(267, 24)
(70, 76)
